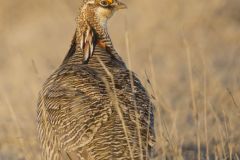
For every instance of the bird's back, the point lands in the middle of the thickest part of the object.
(95, 113)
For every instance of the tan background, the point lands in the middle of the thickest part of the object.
(35, 35)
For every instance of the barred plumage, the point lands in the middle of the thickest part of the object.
(88, 108)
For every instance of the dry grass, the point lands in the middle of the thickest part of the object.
(189, 50)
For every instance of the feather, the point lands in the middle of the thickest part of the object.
(87, 43)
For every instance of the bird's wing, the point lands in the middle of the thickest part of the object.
(138, 103)
(76, 105)
(146, 112)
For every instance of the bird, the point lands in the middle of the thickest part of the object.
(93, 107)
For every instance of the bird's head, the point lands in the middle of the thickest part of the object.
(92, 25)
(101, 10)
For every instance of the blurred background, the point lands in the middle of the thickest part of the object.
(188, 49)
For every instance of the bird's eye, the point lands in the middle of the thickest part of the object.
(104, 3)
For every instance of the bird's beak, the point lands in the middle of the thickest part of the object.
(120, 5)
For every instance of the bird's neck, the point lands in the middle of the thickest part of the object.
(99, 25)
(107, 54)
